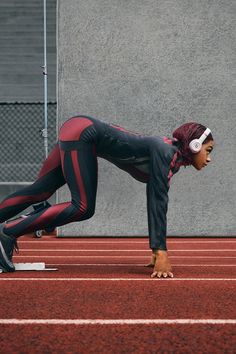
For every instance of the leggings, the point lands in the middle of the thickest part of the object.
(73, 161)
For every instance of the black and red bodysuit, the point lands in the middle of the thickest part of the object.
(149, 159)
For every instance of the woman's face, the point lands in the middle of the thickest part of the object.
(202, 158)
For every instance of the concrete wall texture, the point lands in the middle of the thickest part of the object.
(151, 66)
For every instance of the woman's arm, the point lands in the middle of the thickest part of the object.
(157, 205)
(157, 200)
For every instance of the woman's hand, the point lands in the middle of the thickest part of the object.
(162, 267)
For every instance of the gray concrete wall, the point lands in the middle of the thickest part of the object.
(151, 66)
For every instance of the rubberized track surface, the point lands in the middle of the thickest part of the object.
(102, 299)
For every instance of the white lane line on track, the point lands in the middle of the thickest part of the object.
(117, 279)
(137, 265)
(76, 241)
(82, 322)
(113, 256)
(115, 250)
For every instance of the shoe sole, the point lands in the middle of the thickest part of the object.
(5, 264)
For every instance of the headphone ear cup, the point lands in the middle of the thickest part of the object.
(195, 146)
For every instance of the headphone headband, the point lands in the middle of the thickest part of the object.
(204, 135)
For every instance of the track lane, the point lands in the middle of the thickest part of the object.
(52, 242)
(127, 259)
(142, 339)
(123, 271)
(140, 297)
(117, 299)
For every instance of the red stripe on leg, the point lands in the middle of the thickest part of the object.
(24, 199)
(62, 154)
(48, 216)
(53, 161)
(13, 223)
(83, 197)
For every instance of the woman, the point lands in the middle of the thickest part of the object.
(149, 159)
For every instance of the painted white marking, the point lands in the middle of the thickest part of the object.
(124, 257)
(219, 240)
(205, 257)
(117, 279)
(110, 241)
(137, 265)
(116, 321)
(115, 250)
(76, 240)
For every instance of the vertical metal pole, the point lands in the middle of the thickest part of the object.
(45, 130)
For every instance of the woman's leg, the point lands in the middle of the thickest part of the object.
(50, 178)
(79, 165)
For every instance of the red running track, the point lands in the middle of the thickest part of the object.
(105, 280)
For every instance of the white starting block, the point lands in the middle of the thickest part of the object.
(32, 266)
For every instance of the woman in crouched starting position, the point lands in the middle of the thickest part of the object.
(150, 159)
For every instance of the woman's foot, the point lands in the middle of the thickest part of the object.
(7, 245)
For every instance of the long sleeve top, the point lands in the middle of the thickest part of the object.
(149, 159)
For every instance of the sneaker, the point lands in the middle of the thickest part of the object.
(7, 245)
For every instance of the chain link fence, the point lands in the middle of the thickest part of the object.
(22, 145)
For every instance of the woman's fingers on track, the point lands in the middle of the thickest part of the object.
(154, 274)
(162, 274)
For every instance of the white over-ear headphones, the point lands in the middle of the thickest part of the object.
(196, 144)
